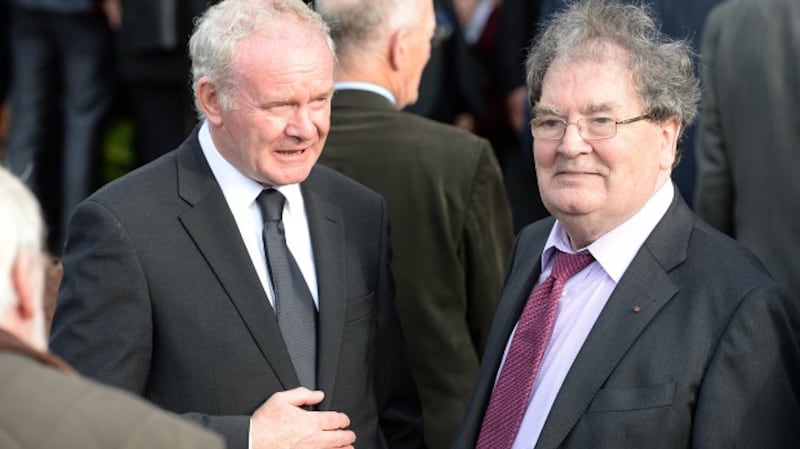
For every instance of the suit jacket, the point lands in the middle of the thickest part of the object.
(160, 297)
(46, 405)
(711, 360)
(451, 236)
(748, 146)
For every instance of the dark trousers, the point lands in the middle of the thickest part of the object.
(61, 91)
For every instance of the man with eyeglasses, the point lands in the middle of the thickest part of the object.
(625, 321)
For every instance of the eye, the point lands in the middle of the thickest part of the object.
(321, 101)
(601, 121)
(548, 122)
(278, 108)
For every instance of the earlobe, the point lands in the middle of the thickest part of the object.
(670, 130)
(209, 101)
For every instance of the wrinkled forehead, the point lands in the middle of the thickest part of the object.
(588, 85)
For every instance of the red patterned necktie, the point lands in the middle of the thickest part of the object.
(513, 389)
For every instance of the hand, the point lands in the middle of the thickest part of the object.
(113, 11)
(280, 422)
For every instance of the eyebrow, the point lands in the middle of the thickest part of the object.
(545, 110)
(586, 110)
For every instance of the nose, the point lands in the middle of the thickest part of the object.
(573, 143)
(301, 124)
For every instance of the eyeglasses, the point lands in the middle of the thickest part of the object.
(590, 128)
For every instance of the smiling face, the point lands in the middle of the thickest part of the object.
(594, 186)
(279, 114)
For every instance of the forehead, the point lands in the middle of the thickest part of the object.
(587, 84)
(285, 56)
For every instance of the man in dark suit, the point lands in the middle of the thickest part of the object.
(748, 146)
(167, 290)
(45, 403)
(626, 321)
(451, 224)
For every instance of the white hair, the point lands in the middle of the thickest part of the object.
(21, 228)
(220, 29)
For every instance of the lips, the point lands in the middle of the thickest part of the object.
(291, 152)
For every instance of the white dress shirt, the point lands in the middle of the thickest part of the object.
(240, 194)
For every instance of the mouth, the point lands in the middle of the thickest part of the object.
(575, 173)
(291, 152)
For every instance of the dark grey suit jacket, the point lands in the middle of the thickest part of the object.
(451, 237)
(748, 145)
(160, 297)
(711, 360)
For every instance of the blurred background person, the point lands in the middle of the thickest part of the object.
(518, 21)
(61, 91)
(5, 74)
(45, 403)
(748, 145)
(450, 219)
(152, 67)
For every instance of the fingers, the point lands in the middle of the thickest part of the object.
(281, 422)
(331, 420)
(343, 439)
(301, 396)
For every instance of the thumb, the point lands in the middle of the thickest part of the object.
(301, 396)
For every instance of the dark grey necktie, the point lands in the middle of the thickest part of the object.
(294, 305)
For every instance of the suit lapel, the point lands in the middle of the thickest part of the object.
(645, 285)
(326, 226)
(214, 231)
(525, 266)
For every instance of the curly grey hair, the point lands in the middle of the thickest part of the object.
(662, 67)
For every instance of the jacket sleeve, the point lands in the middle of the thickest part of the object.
(103, 323)
(399, 406)
(714, 192)
(748, 397)
(488, 236)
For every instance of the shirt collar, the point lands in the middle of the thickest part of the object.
(239, 190)
(616, 249)
(370, 87)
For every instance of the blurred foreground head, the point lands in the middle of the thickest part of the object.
(22, 264)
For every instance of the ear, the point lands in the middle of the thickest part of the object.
(398, 49)
(24, 278)
(670, 130)
(208, 99)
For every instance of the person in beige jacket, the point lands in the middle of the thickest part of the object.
(43, 402)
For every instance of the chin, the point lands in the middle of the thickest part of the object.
(570, 204)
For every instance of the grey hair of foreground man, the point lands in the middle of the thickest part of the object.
(662, 67)
(22, 229)
(212, 46)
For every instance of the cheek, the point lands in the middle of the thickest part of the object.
(544, 155)
(322, 121)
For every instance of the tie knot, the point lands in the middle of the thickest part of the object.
(566, 265)
(270, 201)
